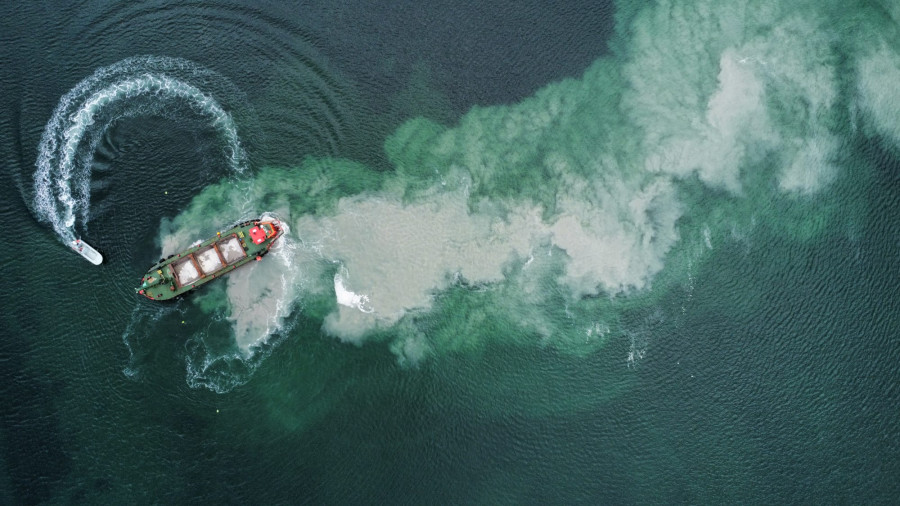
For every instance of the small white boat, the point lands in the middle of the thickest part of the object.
(87, 251)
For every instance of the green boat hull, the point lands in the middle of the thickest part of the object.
(211, 259)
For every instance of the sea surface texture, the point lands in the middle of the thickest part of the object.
(573, 252)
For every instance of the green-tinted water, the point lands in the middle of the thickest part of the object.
(638, 253)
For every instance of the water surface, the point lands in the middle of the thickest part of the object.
(629, 252)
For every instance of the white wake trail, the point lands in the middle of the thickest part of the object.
(63, 167)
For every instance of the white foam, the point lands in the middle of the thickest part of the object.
(64, 166)
(348, 298)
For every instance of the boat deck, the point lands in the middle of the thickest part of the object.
(178, 274)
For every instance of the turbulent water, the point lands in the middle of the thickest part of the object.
(581, 253)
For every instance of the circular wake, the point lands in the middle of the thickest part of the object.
(146, 85)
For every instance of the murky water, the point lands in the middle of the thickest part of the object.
(535, 253)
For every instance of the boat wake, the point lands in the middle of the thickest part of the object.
(218, 358)
(147, 85)
(243, 317)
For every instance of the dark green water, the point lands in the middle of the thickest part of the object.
(576, 253)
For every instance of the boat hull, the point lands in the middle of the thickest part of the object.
(86, 251)
(213, 258)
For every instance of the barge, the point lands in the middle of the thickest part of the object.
(213, 258)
